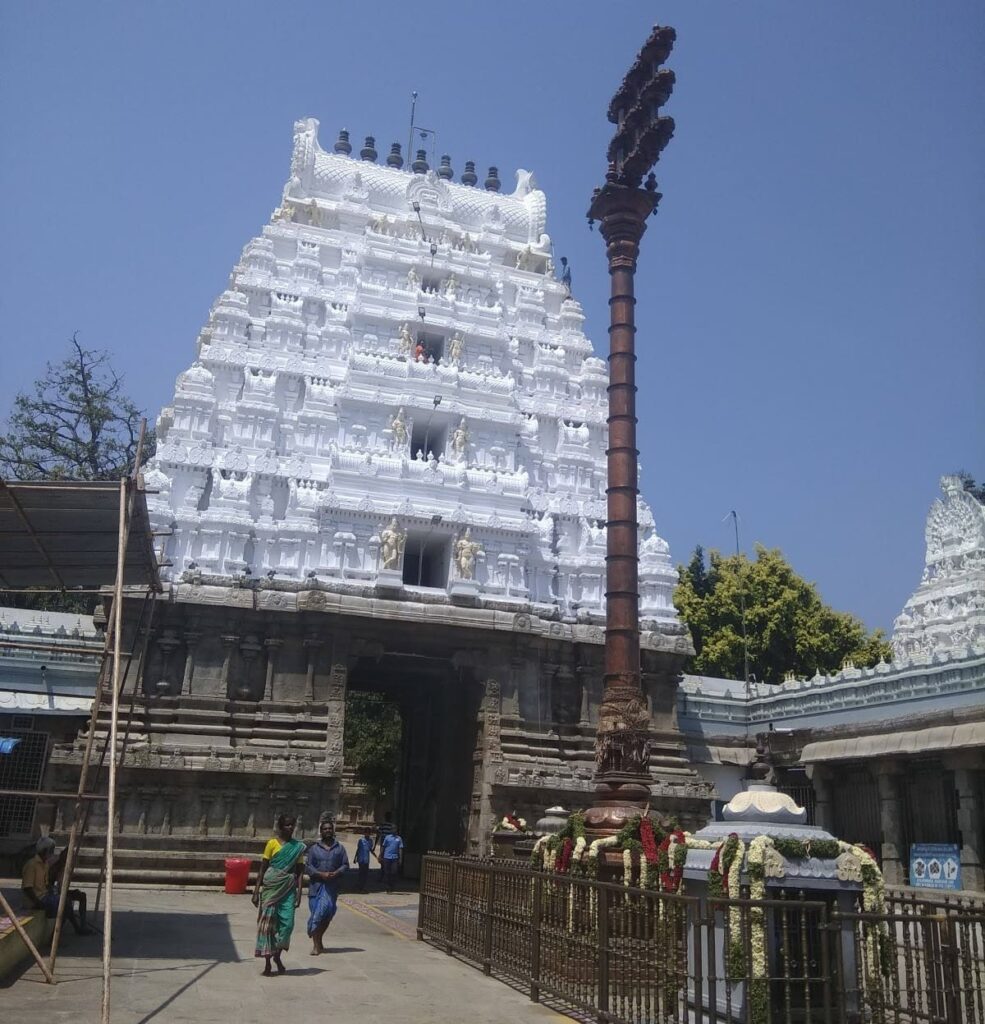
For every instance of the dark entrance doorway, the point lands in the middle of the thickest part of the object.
(432, 788)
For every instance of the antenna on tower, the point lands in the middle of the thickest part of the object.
(734, 516)
(410, 133)
(424, 133)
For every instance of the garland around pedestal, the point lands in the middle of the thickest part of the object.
(663, 855)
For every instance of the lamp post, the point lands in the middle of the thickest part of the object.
(621, 206)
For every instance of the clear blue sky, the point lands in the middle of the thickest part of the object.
(811, 305)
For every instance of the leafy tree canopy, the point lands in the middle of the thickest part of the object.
(75, 423)
(372, 740)
(789, 628)
(974, 489)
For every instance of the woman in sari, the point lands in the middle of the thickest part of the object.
(278, 892)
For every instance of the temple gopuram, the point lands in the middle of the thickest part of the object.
(384, 471)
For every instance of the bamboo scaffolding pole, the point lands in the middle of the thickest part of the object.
(127, 496)
(47, 794)
(111, 744)
(150, 596)
(38, 958)
(80, 803)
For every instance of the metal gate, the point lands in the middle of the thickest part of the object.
(23, 768)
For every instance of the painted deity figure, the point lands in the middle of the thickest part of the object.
(466, 553)
(406, 340)
(460, 439)
(524, 258)
(413, 281)
(399, 427)
(451, 288)
(314, 213)
(392, 541)
(455, 348)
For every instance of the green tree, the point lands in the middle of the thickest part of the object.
(974, 489)
(372, 740)
(75, 423)
(789, 627)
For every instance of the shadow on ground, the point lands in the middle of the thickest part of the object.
(164, 935)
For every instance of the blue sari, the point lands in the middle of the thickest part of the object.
(323, 894)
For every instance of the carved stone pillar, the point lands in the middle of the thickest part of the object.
(894, 867)
(823, 806)
(967, 768)
(191, 640)
(167, 795)
(229, 644)
(228, 802)
(337, 682)
(252, 800)
(273, 645)
(312, 645)
(168, 643)
(249, 649)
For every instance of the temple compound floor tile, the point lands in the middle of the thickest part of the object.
(183, 956)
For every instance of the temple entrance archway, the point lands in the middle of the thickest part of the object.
(435, 771)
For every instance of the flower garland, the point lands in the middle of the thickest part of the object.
(663, 856)
(759, 851)
(878, 942)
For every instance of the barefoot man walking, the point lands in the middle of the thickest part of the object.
(326, 867)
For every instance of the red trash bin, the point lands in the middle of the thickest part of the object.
(237, 875)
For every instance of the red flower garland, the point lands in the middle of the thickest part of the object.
(670, 874)
(564, 857)
(649, 841)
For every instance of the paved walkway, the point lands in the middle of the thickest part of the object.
(182, 956)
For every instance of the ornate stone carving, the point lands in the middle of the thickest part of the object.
(392, 545)
(947, 610)
(467, 551)
(312, 339)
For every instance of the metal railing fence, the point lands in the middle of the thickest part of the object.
(622, 955)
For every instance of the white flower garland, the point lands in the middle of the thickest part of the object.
(536, 856)
(758, 853)
(644, 871)
(627, 867)
(578, 851)
(873, 902)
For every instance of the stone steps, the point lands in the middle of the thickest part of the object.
(166, 860)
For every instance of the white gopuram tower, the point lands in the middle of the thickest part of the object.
(395, 394)
(385, 471)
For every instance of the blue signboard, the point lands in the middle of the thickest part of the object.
(935, 865)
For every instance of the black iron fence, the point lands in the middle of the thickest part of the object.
(630, 956)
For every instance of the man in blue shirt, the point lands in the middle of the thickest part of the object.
(326, 866)
(390, 849)
(364, 848)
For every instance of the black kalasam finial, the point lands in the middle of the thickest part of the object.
(469, 177)
(445, 171)
(420, 164)
(395, 159)
(368, 152)
(492, 182)
(342, 144)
